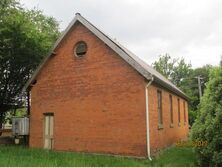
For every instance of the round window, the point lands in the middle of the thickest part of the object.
(80, 49)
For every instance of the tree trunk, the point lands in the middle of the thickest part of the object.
(1, 115)
(3, 109)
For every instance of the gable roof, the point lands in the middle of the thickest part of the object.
(144, 69)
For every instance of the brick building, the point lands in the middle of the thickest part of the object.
(90, 94)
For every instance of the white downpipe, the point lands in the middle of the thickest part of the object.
(147, 119)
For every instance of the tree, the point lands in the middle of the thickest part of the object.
(176, 70)
(190, 87)
(165, 65)
(25, 37)
(208, 125)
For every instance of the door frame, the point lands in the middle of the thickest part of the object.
(44, 117)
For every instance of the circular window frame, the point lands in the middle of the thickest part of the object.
(75, 49)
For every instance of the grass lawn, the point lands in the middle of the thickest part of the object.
(11, 156)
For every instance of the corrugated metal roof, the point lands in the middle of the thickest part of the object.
(143, 68)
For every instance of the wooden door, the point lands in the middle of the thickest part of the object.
(48, 131)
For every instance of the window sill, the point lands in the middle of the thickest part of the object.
(171, 125)
(160, 126)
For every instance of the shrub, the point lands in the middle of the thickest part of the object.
(208, 125)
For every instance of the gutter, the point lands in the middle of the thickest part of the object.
(147, 119)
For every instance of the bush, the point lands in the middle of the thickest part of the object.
(208, 125)
(192, 116)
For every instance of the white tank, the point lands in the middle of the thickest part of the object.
(20, 126)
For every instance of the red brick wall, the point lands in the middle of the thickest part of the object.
(160, 138)
(98, 100)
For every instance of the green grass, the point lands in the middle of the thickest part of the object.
(11, 156)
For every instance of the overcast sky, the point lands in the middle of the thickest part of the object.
(183, 28)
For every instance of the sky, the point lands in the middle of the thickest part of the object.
(191, 29)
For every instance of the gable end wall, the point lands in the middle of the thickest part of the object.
(98, 100)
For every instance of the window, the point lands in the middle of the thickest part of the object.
(80, 49)
(159, 109)
(178, 100)
(184, 111)
(171, 110)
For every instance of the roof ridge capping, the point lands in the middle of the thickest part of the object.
(142, 67)
(77, 13)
